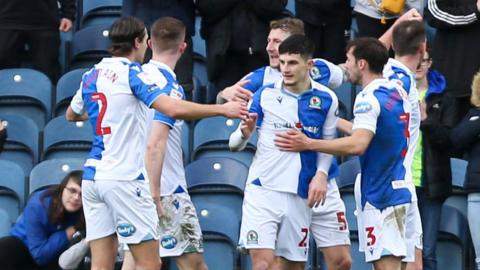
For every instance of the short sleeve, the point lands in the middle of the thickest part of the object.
(366, 111)
(255, 80)
(145, 88)
(77, 103)
(256, 107)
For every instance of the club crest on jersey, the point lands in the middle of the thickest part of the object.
(315, 103)
(315, 73)
(252, 237)
(362, 107)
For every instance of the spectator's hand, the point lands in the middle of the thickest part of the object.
(317, 190)
(248, 125)
(411, 15)
(292, 140)
(236, 92)
(235, 109)
(65, 25)
(423, 110)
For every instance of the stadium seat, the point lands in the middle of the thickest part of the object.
(348, 173)
(26, 92)
(215, 144)
(452, 246)
(51, 172)
(96, 12)
(12, 189)
(64, 139)
(217, 180)
(344, 94)
(200, 70)
(89, 46)
(21, 146)
(291, 7)
(199, 92)
(198, 41)
(67, 86)
(5, 224)
(358, 258)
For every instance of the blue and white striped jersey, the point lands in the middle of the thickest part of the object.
(323, 72)
(314, 113)
(116, 95)
(382, 107)
(399, 73)
(173, 174)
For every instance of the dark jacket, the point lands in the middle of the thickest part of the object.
(44, 240)
(437, 179)
(221, 20)
(458, 33)
(466, 137)
(317, 12)
(34, 14)
(151, 10)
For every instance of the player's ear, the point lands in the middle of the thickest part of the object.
(362, 64)
(183, 47)
(310, 63)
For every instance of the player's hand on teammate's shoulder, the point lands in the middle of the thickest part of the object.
(317, 190)
(247, 126)
(236, 92)
(292, 140)
(234, 109)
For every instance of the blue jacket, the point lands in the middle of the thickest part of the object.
(44, 240)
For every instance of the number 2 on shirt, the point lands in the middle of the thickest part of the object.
(99, 130)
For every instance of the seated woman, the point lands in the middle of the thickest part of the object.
(45, 228)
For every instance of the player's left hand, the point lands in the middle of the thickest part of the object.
(65, 25)
(292, 140)
(317, 190)
(234, 109)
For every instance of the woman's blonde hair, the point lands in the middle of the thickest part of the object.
(475, 98)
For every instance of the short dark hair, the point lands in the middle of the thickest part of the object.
(408, 36)
(167, 33)
(297, 44)
(289, 24)
(371, 50)
(123, 33)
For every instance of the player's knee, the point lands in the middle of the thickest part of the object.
(148, 264)
(261, 265)
(345, 263)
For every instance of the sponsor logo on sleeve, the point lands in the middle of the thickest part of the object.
(252, 237)
(315, 73)
(362, 107)
(125, 229)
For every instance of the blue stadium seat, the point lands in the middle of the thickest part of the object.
(200, 70)
(12, 189)
(64, 139)
(344, 93)
(5, 224)
(348, 173)
(26, 92)
(51, 172)
(215, 144)
(96, 12)
(291, 7)
(452, 246)
(89, 46)
(21, 146)
(198, 41)
(199, 92)
(67, 86)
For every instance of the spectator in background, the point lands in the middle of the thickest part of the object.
(45, 228)
(466, 136)
(36, 23)
(325, 23)
(234, 32)
(431, 163)
(183, 10)
(369, 18)
(455, 47)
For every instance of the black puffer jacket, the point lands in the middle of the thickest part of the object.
(324, 11)
(466, 137)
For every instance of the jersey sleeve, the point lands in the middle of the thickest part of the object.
(77, 103)
(366, 111)
(324, 161)
(255, 80)
(145, 88)
(326, 73)
(256, 107)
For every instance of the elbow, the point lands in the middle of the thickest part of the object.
(356, 150)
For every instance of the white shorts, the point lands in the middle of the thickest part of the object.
(413, 232)
(275, 220)
(180, 231)
(329, 225)
(384, 231)
(124, 207)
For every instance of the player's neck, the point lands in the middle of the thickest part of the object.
(368, 77)
(422, 84)
(300, 87)
(168, 59)
(410, 61)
